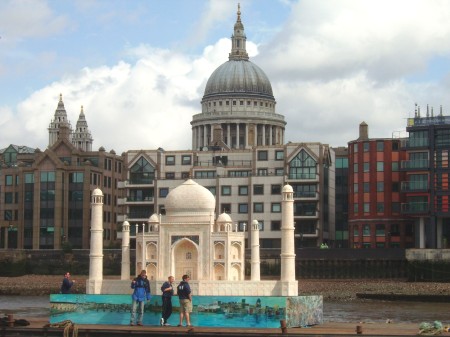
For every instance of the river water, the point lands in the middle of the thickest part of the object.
(358, 311)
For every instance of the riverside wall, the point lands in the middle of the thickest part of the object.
(311, 263)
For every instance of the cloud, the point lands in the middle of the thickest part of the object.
(145, 104)
(333, 65)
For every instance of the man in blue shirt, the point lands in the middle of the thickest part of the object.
(184, 294)
(141, 294)
(167, 293)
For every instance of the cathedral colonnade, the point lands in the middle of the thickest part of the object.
(238, 135)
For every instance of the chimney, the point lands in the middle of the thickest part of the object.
(363, 131)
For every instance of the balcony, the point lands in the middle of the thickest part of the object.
(414, 143)
(306, 195)
(140, 200)
(421, 207)
(414, 186)
(422, 164)
(303, 176)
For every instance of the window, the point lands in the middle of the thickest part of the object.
(243, 190)
(242, 226)
(366, 230)
(29, 178)
(395, 187)
(243, 208)
(185, 175)
(366, 207)
(366, 187)
(8, 215)
(380, 230)
(380, 186)
(395, 207)
(170, 160)
(355, 147)
(262, 155)
(170, 175)
(275, 226)
(234, 102)
(355, 208)
(142, 172)
(186, 159)
(395, 166)
(241, 102)
(380, 207)
(380, 146)
(262, 172)
(276, 207)
(355, 231)
(341, 162)
(395, 146)
(226, 208)
(279, 155)
(261, 225)
(239, 174)
(163, 191)
(380, 166)
(355, 167)
(355, 188)
(226, 190)
(76, 177)
(8, 180)
(279, 171)
(8, 197)
(258, 207)
(227, 103)
(258, 189)
(366, 147)
(366, 167)
(303, 166)
(48, 176)
(275, 189)
(204, 174)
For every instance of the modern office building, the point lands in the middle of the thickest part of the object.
(45, 195)
(425, 186)
(375, 216)
(238, 153)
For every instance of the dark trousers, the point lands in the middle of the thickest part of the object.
(166, 308)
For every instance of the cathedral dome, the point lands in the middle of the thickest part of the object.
(190, 197)
(238, 76)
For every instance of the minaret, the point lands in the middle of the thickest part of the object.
(287, 235)
(59, 126)
(81, 137)
(238, 40)
(255, 269)
(125, 270)
(94, 283)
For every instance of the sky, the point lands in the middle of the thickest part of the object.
(139, 68)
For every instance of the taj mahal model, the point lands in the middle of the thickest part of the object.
(193, 237)
(190, 240)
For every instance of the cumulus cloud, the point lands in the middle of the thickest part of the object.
(146, 104)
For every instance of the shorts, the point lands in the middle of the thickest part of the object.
(185, 305)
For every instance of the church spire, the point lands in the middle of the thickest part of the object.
(82, 138)
(60, 125)
(238, 40)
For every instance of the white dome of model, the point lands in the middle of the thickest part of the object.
(190, 197)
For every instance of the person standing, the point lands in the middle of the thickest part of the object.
(67, 283)
(184, 294)
(141, 294)
(167, 293)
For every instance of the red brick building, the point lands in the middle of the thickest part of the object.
(375, 198)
